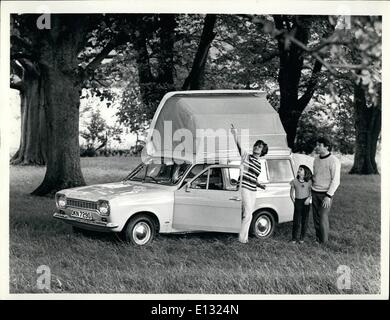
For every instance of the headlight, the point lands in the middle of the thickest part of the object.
(104, 207)
(61, 201)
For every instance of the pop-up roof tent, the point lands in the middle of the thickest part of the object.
(186, 124)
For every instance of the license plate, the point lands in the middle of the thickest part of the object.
(82, 215)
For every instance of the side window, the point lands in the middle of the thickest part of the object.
(215, 179)
(280, 170)
(218, 179)
(232, 178)
(263, 177)
(201, 181)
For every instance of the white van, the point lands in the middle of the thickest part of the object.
(200, 191)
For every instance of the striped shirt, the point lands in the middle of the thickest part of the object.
(251, 168)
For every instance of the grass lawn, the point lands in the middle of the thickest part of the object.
(212, 263)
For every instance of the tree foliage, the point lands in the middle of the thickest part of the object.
(95, 131)
(357, 63)
(324, 118)
(162, 52)
(322, 73)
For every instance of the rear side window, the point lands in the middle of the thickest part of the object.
(280, 170)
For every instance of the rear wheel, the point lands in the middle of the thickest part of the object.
(140, 230)
(263, 224)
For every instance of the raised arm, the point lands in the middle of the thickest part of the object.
(234, 132)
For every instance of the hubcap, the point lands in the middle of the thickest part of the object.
(141, 233)
(263, 226)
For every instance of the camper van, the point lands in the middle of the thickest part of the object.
(193, 184)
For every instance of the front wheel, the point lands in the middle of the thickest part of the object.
(140, 230)
(263, 224)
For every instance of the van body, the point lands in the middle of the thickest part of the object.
(200, 191)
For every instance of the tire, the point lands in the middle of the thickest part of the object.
(263, 224)
(140, 230)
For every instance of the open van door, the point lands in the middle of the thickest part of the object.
(211, 201)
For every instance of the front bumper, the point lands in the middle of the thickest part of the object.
(86, 224)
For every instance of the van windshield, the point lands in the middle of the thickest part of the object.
(169, 173)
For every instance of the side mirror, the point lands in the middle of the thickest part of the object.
(187, 187)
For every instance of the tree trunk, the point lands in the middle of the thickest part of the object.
(292, 107)
(368, 126)
(154, 87)
(289, 120)
(147, 81)
(194, 81)
(62, 113)
(167, 41)
(58, 56)
(33, 146)
(290, 70)
(376, 126)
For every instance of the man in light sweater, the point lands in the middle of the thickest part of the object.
(326, 179)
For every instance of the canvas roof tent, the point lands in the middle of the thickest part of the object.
(207, 115)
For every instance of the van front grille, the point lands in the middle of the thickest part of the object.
(82, 204)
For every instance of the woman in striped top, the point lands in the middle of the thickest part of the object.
(251, 169)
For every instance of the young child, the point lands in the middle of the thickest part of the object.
(300, 194)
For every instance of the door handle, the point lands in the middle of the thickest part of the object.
(235, 199)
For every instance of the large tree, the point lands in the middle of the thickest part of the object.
(26, 78)
(368, 124)
(57, 49)
(293, 34)
(356, 61)
(366, 57)
(66, 50)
